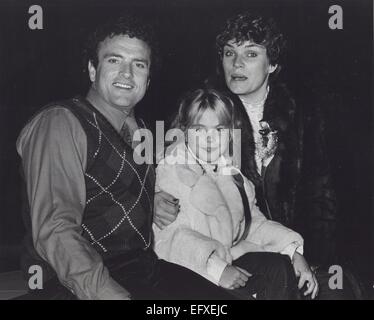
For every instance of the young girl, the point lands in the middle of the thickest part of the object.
(220, 232)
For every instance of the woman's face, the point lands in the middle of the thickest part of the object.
(207, 138)
(247, 69)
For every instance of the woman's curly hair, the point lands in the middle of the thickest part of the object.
(129, 25)
(258, 29)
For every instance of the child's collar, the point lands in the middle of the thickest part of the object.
(223, 164)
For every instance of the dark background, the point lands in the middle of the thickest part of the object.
(332, 68)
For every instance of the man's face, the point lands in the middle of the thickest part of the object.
(122, 74)
(246, 68)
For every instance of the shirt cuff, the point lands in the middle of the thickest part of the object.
(215, 267)
(292, 248)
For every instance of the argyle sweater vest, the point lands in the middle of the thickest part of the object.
(119, 193)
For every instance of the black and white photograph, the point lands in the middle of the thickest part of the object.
(186, 150)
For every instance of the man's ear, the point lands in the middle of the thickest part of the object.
(91, 71)
(272, 68)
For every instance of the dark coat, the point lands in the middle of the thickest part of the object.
(296, 187)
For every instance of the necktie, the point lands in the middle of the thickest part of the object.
(127, 131)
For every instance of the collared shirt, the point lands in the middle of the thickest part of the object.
(53, 147)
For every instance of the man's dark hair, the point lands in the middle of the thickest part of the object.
(258, 29)
(129, 25)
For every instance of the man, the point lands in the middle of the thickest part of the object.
(89, 204)
(293, 185)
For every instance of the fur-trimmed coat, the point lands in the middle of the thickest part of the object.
(211, 219)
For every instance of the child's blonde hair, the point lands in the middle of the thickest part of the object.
(194, 103)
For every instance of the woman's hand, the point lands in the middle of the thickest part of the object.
(234, 277)
(305, 274)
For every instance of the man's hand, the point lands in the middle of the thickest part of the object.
(233, 277)
(305, 274)
(166, 209)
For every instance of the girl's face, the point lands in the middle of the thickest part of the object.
(208, 138)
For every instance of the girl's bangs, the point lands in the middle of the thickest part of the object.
(221, 109)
